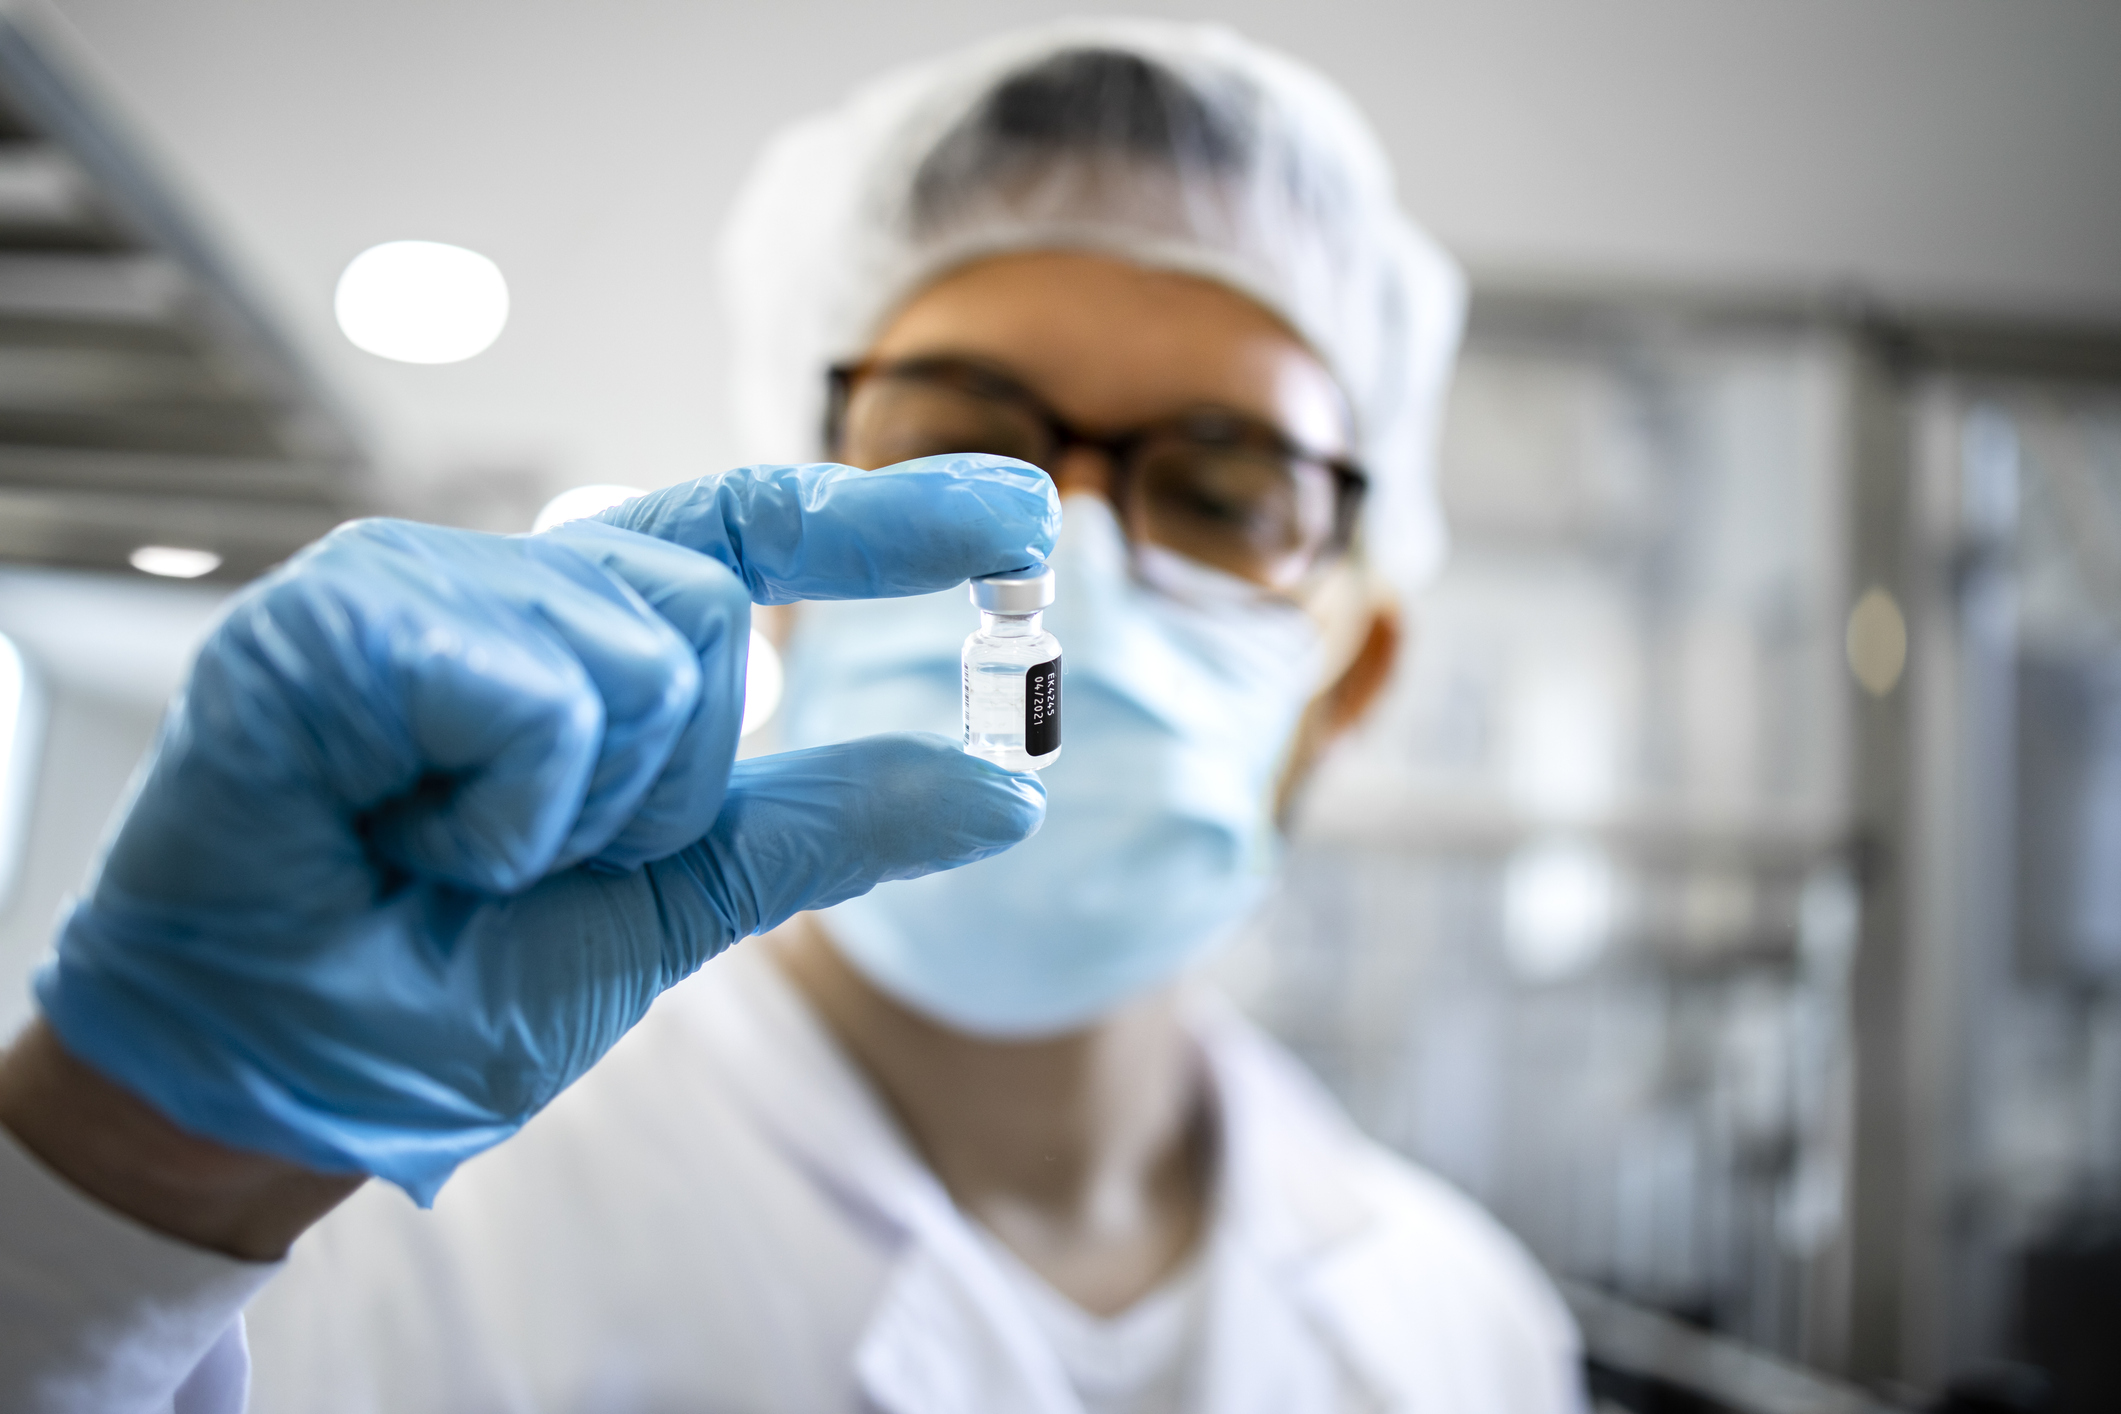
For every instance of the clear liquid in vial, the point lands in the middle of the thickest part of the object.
(1012, 692)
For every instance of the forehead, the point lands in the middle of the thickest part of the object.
(1110, 344)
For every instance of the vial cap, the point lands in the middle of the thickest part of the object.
(1022, 591)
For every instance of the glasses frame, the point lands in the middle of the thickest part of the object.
(1222, 426)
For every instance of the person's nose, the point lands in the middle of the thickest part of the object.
(1083, 468)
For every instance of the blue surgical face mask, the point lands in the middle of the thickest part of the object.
(1182, 692)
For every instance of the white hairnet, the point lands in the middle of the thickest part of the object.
(1178, 146)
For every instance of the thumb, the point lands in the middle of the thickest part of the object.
(808, 829)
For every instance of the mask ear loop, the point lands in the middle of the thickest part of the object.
(1341, 597)
(1351, 604)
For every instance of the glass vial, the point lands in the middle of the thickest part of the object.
(1013, 673)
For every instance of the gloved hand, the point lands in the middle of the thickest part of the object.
(439, 813)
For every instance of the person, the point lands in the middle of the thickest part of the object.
(972, 1140)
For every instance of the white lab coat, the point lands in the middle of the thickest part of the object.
(722, 1216)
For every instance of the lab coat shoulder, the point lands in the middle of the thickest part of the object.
(1426, 1294)
(1442, 1293)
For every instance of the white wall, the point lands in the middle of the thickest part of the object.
(1956, 151)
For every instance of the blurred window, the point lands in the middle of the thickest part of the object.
(19, 720)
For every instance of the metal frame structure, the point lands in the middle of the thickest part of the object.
(145, 396)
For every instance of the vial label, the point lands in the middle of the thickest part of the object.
(1042, 722)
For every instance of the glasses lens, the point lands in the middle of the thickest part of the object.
(1256, 513)
(897, 416)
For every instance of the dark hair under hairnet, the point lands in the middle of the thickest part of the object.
(1177, 146)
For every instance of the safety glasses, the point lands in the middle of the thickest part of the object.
(1214, 485)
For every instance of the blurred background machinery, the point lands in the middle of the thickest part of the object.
(1730, 895)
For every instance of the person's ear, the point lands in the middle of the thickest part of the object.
(775, 621)
(1345, 701)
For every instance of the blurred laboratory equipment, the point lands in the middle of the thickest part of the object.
(1729, 894)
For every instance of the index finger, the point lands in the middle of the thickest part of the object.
(826, 531)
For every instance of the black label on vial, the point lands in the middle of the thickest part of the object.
(1042, 708)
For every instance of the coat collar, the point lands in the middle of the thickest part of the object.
(948, 1334)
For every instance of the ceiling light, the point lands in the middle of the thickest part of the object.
(174, 561)
(581, 503)
(421, 302)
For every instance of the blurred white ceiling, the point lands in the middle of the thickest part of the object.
(1964, 153)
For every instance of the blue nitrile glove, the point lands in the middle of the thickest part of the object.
(439, 814)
